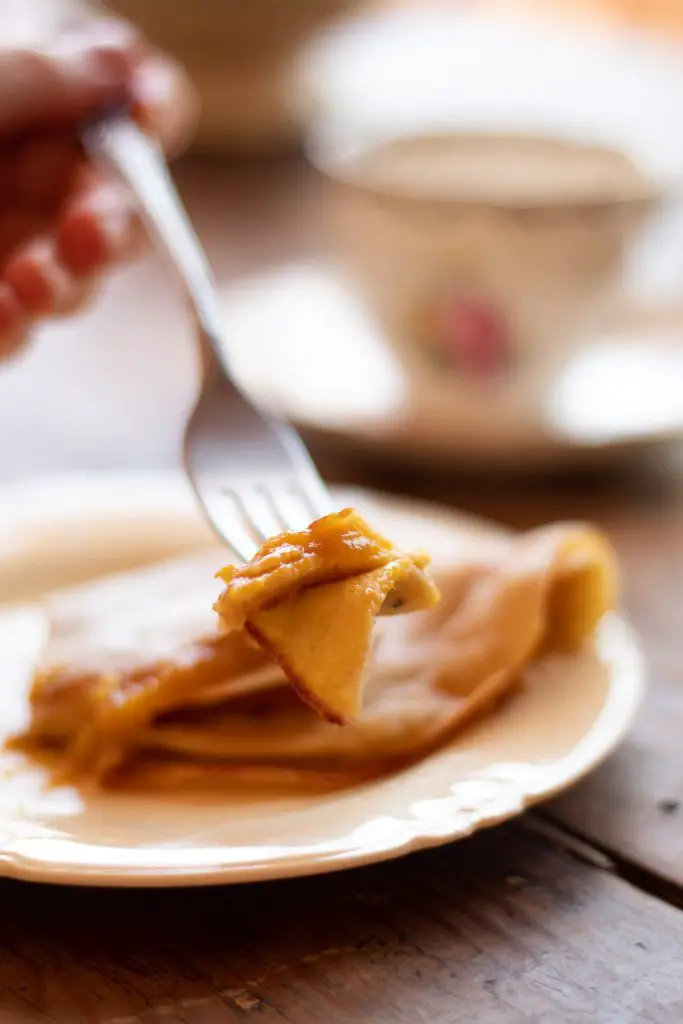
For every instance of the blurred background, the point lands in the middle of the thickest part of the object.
(449, 238)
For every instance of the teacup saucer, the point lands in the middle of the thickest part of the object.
(302, 342)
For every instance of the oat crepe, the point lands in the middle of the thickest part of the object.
(433, 673)
(310, 599)
(202, 707)
(131, 645)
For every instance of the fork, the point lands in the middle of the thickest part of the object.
(251, 473)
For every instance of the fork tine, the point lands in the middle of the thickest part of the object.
(266, 510)
(315, 497)
(257, 510)
(216, 511)
(246, 516)
(284, 521)
(243, 554)
(236, 538)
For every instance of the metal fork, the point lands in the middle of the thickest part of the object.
(251, 473)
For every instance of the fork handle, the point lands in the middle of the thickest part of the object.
(136, 158)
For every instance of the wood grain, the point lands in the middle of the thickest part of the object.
(500, 928)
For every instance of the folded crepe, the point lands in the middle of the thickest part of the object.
(141, 685)
(310, 600)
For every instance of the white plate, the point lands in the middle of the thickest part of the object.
(569, 716)
(302, 342)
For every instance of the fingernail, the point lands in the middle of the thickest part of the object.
(163, 104)
(99, 56)
(92, 34)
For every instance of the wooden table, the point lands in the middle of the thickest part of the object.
(571, 914)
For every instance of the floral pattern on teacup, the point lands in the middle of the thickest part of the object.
(467, 334)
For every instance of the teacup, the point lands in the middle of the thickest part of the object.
(485, 257)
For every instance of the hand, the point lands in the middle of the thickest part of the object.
(62, 223)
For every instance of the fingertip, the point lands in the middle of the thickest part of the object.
(74, 73)
(13, 321)
(101, 32)
(31, 275)
(81, 243)
(166, 101)
(97, 229)
(10, 308)
(43, 286)
(17, 226)
(103, 52)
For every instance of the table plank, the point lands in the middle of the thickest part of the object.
(500, 928)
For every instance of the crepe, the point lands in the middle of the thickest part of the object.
(142, 685)
(130, 645)
(310, 600)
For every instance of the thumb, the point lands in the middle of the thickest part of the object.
(67, 77)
